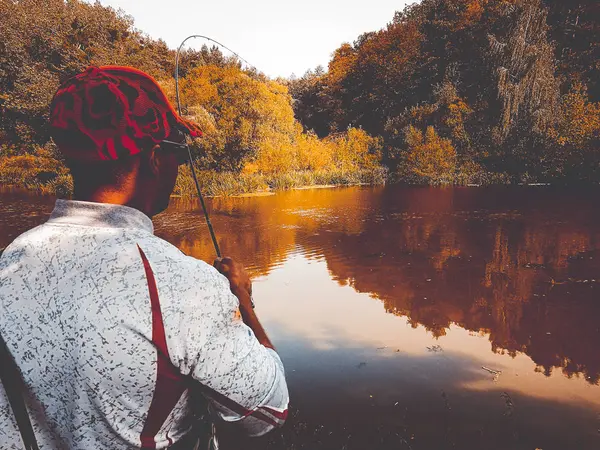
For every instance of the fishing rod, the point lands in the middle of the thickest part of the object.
(213, 443)
(177, 61)
(191, 160)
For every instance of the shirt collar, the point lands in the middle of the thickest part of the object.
(99, 215)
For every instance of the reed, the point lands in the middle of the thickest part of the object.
(227, 183)
(37, 173)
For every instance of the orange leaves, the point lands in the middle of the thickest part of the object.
(381, 59)
(356, 150)
(249, 126)
(313, 153)
(200, 87)
(472, 12)
(465, 13)
(348, 152)
(391, 49)
(242, 115)
(343, 62)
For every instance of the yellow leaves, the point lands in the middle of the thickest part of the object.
(40, 172)
(275, 155)
(200, 87)
(352, 151)
(449, 110)
(455, 120)
(431, 158)
(459, 107)
(250, 168)
(580, 119)
(249, 125)
(356, 150)
(313, 153)
(241, 115)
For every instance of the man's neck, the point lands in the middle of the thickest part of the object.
(111, 196)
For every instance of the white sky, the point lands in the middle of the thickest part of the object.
(278, 37)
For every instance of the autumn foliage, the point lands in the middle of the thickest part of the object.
(431, 159)
(510, 85)
(450, 91)
(249, 126)
(251, 141)
(580, 119)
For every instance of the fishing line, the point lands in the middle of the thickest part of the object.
(191, 160)
(213, 443)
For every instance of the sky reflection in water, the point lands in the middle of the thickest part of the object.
(383, 300)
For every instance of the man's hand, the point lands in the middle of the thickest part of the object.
(241, 287)
(239, 281)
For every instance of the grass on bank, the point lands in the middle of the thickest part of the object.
(216, 184)
(42, 174)
(48, 175)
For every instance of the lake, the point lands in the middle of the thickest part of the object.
(413, 318)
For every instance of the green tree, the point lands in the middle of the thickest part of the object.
(45, 41)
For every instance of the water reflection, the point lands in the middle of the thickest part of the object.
(350, 364)
(521, 265)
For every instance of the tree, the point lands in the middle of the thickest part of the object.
(431, 159)
(580, 119)
(44, 42)
(575, 29)
(524, 65)
(241, 115)
(356, 150)
(310, 101)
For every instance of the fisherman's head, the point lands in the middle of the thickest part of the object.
(118, 134)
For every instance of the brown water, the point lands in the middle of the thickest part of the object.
(463, 318)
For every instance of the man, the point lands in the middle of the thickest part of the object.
(117, 334)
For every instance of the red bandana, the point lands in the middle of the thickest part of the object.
(110, 112)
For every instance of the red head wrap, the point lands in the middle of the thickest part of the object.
(111, 112)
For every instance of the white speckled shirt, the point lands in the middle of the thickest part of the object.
(116, 332)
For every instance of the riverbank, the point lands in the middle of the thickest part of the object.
(46, 175)
(43, 173)
(220, 184)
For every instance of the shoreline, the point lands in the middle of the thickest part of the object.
(12, 188)
(276, 191)
(7, 188)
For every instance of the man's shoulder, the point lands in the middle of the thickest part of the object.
(189, 280)
(166, 259)
(25, 241)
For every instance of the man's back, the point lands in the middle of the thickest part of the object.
(112, 328)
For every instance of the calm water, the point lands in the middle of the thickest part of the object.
(414, 318)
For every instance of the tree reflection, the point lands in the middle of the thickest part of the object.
(524, 270)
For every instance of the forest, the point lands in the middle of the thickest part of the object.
(449, 92)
